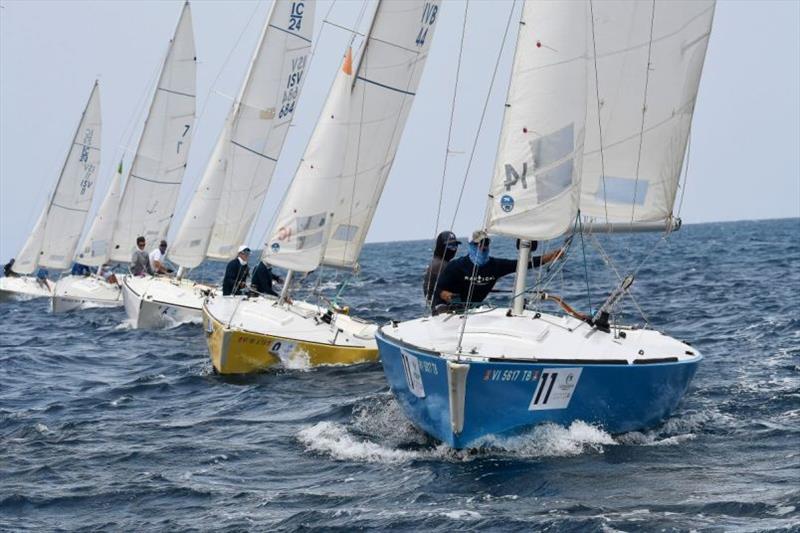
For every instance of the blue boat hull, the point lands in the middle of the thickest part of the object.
(503, 398)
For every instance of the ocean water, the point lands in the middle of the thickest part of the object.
(107, 428)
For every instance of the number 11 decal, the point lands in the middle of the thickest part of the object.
(554, 389)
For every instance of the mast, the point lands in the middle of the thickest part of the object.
(518, 299)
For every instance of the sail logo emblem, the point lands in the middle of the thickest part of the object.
(507, 203)
(275, 247)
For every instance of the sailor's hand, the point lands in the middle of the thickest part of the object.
(447, 296)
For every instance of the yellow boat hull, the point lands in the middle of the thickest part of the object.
(235, 351)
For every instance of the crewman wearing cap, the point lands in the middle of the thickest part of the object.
(445, 250)
(236, 273)
(454, 283)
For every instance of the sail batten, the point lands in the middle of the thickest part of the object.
(151, 192)
(228, 198)
(55, 237)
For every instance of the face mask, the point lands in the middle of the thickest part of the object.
(449, 253)
(478, 256)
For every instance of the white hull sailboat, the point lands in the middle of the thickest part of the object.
(148, 200)
(77, 292)
(153, 302)
(54, 238)
(595, 130)
(330, 204)
(146, 206)
(24, 288)
(234, 185)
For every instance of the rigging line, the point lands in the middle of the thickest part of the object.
(599, 121)
(585, 266)
(429, 301)
(483, 113)
(228, 58)
(607, 259)
(276, 211)
(644, 108)
(466, 308)
(472, 158)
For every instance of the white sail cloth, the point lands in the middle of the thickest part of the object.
(535, 189)
(327, 212)
(298, 238)
(54, 238)
(387, 78)
(96, 245)
(151, 191)
(639, 93)
(647, 85)
(238, 175)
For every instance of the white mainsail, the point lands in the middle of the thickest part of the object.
(386, 81)
(238, 175)
(297, 239)
(535, 189)
(154, 180)
(95, 248)
(55, 236)
(649, 59)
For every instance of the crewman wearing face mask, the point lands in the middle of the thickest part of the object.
(454, 282)
(445, 250)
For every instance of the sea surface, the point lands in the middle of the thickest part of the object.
(103, 427)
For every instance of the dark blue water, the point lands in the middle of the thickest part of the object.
(107, 428)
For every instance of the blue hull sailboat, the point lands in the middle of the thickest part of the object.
(595, 129)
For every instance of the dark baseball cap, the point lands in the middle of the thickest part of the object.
(447, 239)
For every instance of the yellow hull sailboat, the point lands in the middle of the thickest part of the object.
(236, 333)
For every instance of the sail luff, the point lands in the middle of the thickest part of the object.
(151, 190)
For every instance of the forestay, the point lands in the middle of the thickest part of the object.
(386, 80)
(95, 249)
(154, 180)
(55, 236)
(297, 239)
(649, 59)
(535, 189)
(237, 178)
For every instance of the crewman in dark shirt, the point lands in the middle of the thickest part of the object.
(236, 273)
(263, 278)
(454, 283)
(445, 250)
(8, 270)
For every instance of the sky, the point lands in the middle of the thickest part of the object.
(745, 146)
